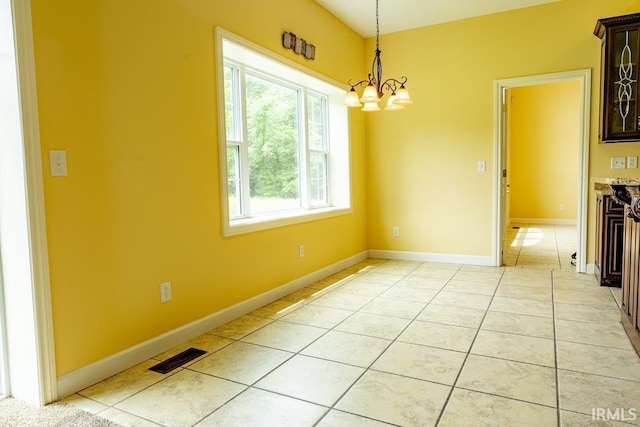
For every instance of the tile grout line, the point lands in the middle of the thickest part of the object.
(555, 240)
(367, 369)
(555, 348)
(464, 362)
(555, 333)
(519, 249)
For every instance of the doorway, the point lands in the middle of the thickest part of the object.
(501, 170)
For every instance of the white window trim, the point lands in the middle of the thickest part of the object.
(339, 175)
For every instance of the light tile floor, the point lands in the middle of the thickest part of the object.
(409, 344)
(548, 246)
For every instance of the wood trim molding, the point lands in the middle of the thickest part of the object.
(602, 24)
(25, 61)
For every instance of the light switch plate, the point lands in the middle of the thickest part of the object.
(618, 162)
(482, 166)
(632, 162)
(58, 162)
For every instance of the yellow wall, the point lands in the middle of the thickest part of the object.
(544, 122)
(127, 88)
(421, 161)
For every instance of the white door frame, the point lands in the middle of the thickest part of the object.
(584, 77)
(25, 266)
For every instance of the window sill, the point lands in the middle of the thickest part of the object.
(249, 225)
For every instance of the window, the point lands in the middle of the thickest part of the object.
(284, 140)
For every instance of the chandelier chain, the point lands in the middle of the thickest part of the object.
(377, 27)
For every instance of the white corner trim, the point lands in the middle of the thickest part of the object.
(111, 365)
(432, 257)
(42, 312)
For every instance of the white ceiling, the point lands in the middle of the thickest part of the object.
(398, 15)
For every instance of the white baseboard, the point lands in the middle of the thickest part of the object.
(542, 221)
(432, 257)
(88, 375)
(591, 269)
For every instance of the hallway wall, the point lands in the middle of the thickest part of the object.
(544, 132)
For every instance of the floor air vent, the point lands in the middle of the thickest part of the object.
(178, 360)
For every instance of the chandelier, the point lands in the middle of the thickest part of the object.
(375, 86)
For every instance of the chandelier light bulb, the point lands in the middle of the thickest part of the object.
(370, 94)
(352, 99)
(371, 106)
(402, 96)
(392, 105)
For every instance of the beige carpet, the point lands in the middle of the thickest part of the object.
(15, 413)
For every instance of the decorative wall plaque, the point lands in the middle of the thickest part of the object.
(298, 45)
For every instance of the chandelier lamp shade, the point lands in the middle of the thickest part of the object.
(375, 87)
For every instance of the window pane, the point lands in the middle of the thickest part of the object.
(272, 138)
(316, 110)
(230, 94)
(233, 181)
(318, 178)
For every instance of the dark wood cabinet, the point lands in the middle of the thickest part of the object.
(609, 240)
(631, 281)
(619, 101)
(627, 191)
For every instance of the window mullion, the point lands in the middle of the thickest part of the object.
(327, 164)
(317, 126)
(238, 102)
(305, 189)
(245, 194)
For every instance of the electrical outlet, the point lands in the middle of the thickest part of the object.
(165, 292)
(396, 231)
(301, 251)
(561, 207)
(482, 166)
(632, 162)
(618, 163)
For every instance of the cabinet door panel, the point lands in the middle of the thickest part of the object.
(615, 226)
(626, 266)
(634, 275)
(609, 241)
(599, 231)
(622, 117)
(619, 103)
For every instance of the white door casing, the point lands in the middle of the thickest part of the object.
(25, 267)
(499, 211)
